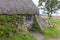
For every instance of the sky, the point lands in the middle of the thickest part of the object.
(36, 2)
(40, 11)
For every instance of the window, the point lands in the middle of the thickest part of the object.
(28, 18)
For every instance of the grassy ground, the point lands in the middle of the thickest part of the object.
(21, 36)
(9, 30)
(49, 32)
(53, 32)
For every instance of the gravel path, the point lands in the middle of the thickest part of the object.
(37, 35)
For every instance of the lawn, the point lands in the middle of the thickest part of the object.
(52, 32)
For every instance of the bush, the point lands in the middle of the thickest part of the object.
(35, 26)
(9, 32)
(6, 30)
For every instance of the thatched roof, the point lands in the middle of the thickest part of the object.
(18, 7)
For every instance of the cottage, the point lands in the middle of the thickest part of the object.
(26, 8)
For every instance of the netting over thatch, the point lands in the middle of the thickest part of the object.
(18, 6)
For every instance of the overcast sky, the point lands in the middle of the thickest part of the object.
(36, 3)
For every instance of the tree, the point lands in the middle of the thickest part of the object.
(51, 6)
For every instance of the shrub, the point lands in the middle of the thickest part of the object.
(6, 30)
(9, 32)
(35, 26)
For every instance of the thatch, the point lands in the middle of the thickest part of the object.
(18, 7)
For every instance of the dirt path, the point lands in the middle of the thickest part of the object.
(40, 37)
(37, 35)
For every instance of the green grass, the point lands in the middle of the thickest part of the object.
(53, 32)
(55, 21)
(35, 26)
(20, 36)
(8, 30)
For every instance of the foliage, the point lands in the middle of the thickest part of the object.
(10, 32)
(6, 30)
(11, 19)
(35, 26)
(51, 6)
(7, 18)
